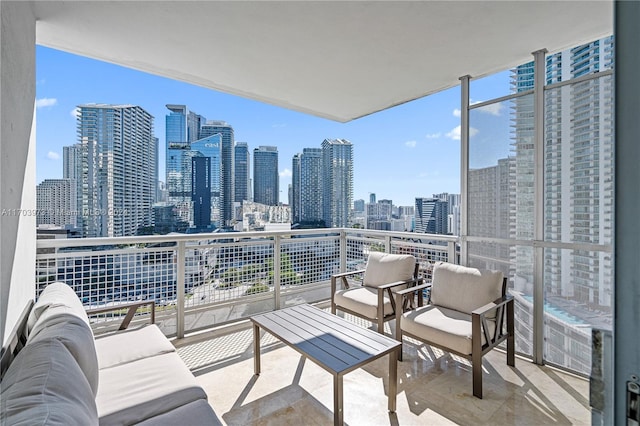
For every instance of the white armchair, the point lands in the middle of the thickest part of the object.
(469, 314)
(372, 299)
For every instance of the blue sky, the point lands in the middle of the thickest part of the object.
(408, 151)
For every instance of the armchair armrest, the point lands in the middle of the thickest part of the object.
(410, 289)
(343, 277)
(346, 274)
(131, 311)
(399, 283)
(483, 310)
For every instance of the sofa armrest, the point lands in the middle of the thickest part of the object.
(131, 311)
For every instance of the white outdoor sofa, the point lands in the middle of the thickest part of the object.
(54, 372)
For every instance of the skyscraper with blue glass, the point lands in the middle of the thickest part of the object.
(227, 192)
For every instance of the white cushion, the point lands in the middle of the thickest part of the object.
(135, 391)
(464, 289)
(444, 327)
(44, 385)
(386, 268)
(131, 345)
(77, 337)
(362, 300)
(57, 298)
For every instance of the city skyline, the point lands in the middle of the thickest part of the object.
(393, 149)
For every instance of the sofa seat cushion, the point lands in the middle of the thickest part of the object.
(56, 299)
(44, 385)
(362, 300)
(464, 289)
(195, 413)
(131, 345)
(137, 390)
(386, 268)
(77, 337)
(443, 327)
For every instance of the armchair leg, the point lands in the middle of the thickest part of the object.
(333, 308)
(380, 325)
(477, 376)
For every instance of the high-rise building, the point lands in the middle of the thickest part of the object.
(311, 185)
(337, 182)
(118, 178)
(227, 193)
(182, 127)
(358, 205)
(201, 191)
(209, 147)
(56, 202)
(431, 215)
(242, 175)
(266, 188)
(294, 189)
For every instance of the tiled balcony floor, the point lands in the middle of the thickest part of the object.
(434, 387)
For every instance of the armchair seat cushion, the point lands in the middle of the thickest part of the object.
(443, 327)
(362, 300)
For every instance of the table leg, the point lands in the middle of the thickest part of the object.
(256, 349)
(338, 417)
(393, 379)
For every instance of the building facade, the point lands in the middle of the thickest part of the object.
(266, 186)
(337, 182)
(117, 186)
(242, 173)
(227, 180)
(56, 202)
(431, 215)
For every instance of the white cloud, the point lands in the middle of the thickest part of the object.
(46, 102)
(285, 173)
(433, 135)
(457, 112)
(53, 155)
(411, 144)
(493, 109)
(75, 112)
(455, 133)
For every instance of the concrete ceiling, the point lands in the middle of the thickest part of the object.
(338, 60)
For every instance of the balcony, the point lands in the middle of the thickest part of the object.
(207, 286)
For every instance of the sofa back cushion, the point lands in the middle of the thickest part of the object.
(59, 314)
(464, 289)
(44, 385)
(57, 298)
(385, 268)
(77, 338)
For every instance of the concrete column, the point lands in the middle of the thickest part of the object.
(17, 161)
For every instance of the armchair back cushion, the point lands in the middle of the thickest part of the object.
(464, 289)
(385, 268)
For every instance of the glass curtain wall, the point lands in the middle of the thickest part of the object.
(577, 199)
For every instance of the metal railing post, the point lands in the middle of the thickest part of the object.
(451, 252)
(180, 285)
(343, 250)
(276, 271)
(387, 244)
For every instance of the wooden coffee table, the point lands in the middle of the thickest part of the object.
(335, 344)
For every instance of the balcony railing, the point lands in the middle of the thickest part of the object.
(202, 281)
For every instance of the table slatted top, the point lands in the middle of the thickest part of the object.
(334, 343)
